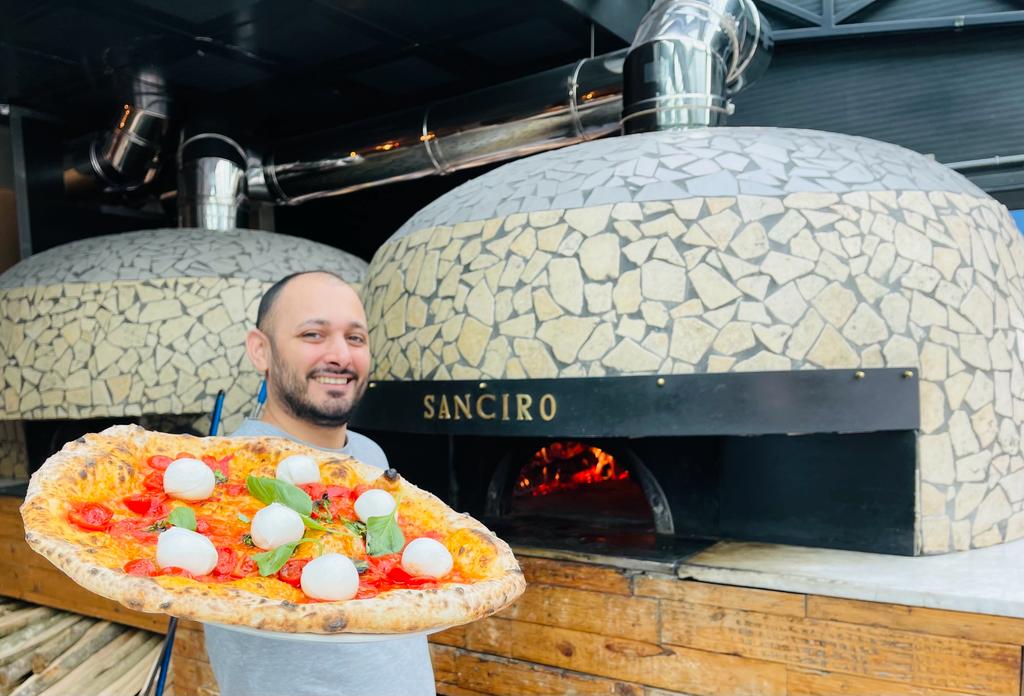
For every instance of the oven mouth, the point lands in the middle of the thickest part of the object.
(581, 495)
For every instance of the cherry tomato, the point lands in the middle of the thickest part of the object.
(174, 570)
(142, 567)
(159, 461)
(226, 561)
(235, 489)
(91, 516)
(220, 465)
(358, 491)
(398, 576)
(291, 572)
(133, 529)
(313, 490)
(155, 481)
(147, 504)
(338, 492)
(246, 567)
(184, 455)
(202, 526)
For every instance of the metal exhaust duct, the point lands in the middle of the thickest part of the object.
(212, 191)
(555, 108)
(688, 58)
(717, 46)
(125, 157)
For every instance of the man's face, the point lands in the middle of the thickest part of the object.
(319, 350)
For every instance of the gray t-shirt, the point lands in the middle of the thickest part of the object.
(247, 665)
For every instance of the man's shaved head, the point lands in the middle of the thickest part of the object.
(265, 311)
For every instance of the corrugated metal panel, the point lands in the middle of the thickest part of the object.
(958, 96)
(911, 9)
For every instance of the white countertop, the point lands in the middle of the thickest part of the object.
(984, 581)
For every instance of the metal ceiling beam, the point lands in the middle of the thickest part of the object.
(620, 17)
(791, 10)
(955, 22)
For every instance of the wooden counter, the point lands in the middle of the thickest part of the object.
(591, 629)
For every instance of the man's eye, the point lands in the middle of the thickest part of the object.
(311, 334)
(357, 340)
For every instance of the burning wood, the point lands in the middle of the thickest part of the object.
(567, 465)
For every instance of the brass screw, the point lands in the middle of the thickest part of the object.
(907, 374)
(859, 374)
(483, 385)
(661, 382)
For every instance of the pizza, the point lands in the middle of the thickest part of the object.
(263, 533)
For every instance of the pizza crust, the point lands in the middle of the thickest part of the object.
(70, 474)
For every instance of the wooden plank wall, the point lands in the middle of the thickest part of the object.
(597, 630)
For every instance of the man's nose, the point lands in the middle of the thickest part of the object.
(337, 351)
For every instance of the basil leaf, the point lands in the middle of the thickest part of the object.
(313, 524)
(270, 562)
(361, 566)
(219, 476)
(243, 518)
(268, 490)
(247, 540)
(158, 526)
(357, 528)
(383, 535)
(183, 517)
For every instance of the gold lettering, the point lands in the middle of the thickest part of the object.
(523, 403)
(461, 404)
(504, 407)
(428, 406)
(480, 406)
(548, 407)
(443, 413)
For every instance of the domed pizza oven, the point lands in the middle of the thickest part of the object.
(833, 323)
(142, 327)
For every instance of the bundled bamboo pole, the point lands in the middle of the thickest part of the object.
(88, 675)
(49, 651)
(132, 681)
(98, 636)
(17, 658)
(15, 644)
(22, 617)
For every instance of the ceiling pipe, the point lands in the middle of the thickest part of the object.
(552, 109)
(212, 190)
(688, 58)
(716, 46)
(126, 156)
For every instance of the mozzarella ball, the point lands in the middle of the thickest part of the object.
(189, 479)
(274, 525)
(374, 503)
(182, 548)
(298, 469)
(331, 577)
(426, 558)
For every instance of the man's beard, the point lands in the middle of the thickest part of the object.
(294, 394)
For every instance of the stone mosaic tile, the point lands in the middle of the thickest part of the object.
(181, 253)
(94, 338)
(13, 456)
(838, 271)
(707, 162)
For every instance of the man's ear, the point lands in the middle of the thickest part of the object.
(257, 345)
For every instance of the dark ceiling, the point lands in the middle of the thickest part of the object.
(277, 67)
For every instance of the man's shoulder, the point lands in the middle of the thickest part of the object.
(366, 450)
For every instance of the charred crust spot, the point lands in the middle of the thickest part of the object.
(391, 474)
(83, 474)
(165, 605)
(81, 440)
(335, 624)
(94, 571)
(288, 604)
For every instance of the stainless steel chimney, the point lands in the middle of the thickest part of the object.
(125, 157)
(688, 58)
(212, 192)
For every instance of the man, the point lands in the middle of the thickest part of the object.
(311, 343)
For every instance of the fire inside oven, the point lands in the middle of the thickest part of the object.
(574, 480)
